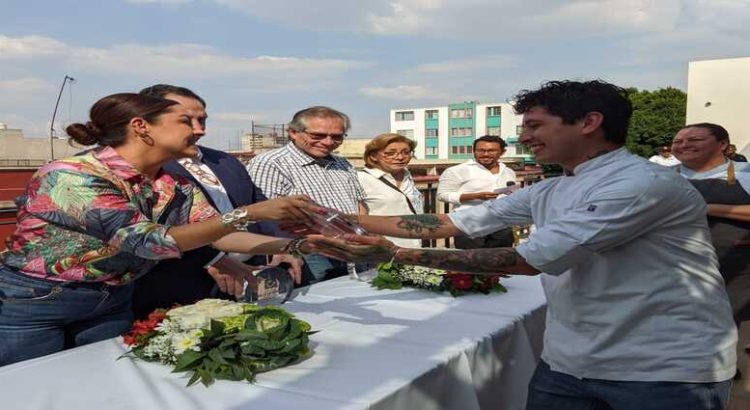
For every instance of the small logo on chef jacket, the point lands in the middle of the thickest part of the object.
(591, 208)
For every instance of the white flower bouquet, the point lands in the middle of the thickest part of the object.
(220, 339)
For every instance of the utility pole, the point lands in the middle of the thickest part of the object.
(54, 114)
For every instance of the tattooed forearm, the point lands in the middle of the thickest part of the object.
(497, 260)
(419, 225)
(410, 226)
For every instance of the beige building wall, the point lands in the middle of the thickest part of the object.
(719, 92)
(14, 146)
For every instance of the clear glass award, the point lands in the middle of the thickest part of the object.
(273, 286)
(330, 222)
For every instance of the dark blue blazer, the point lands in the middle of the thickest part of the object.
(184, 281)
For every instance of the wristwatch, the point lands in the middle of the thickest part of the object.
(238, 218)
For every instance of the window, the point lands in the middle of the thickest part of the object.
(431, 151)
(454, 132)
(431, 114)
(458, 113)
(404, 115)
(519, 129)
(469, 112)
(431, 132)
(469, 149)
(406, 133)
(493, 131)
(522, 150)
(454, 149)
(494, 111)
(462, 149)
(467, 132)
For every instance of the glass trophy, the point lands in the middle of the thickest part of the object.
(273, 286)
(330, 222)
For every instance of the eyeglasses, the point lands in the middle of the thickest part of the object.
(320, 136)
(394, 154)
(487, 151)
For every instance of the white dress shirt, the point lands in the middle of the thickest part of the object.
(670, 161)
(384, 200)
(638, 295)
(471, 177)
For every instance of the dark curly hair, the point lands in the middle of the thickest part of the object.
(572, 100)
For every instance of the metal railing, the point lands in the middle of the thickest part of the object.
(9, 163)
(429, 197)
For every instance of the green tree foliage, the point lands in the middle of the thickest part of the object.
(657, 116)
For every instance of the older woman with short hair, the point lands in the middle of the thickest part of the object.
(388, 185)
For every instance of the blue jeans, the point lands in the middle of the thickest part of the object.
(553, 390)
(319, 268)
(39, 317)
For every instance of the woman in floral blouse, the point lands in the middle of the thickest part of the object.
(89, 225)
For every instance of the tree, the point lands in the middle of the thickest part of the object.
(657, 116)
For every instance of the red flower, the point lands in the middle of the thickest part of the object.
(461, 281)
(143, 328)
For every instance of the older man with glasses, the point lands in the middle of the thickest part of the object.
(306, 165)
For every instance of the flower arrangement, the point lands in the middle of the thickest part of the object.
(220, 339)
(395, 276)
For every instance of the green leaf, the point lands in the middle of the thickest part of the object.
(386, 280)
(188, 360)
(206, 378)
(248, 334)
(217, 328)
(291, 346)
(216, 356)
(193, 379)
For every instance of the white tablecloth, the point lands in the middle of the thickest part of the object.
(404, 349)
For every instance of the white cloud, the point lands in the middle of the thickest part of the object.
(197, 61)
(240, 117)
(158, 1)
(405, 16)
(501, 20)
(26, 85)
(29, 47)
(402, 92)
(491, 61)
(175, 61)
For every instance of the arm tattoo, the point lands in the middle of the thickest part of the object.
(493, 260)
(419, 225)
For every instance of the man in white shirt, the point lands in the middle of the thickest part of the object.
(475, 181)
(638, 317)
(665, 157)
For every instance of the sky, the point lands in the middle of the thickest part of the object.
(263, 60)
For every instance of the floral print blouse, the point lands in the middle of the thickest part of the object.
(95, 218)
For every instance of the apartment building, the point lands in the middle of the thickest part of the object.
(447, 132)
